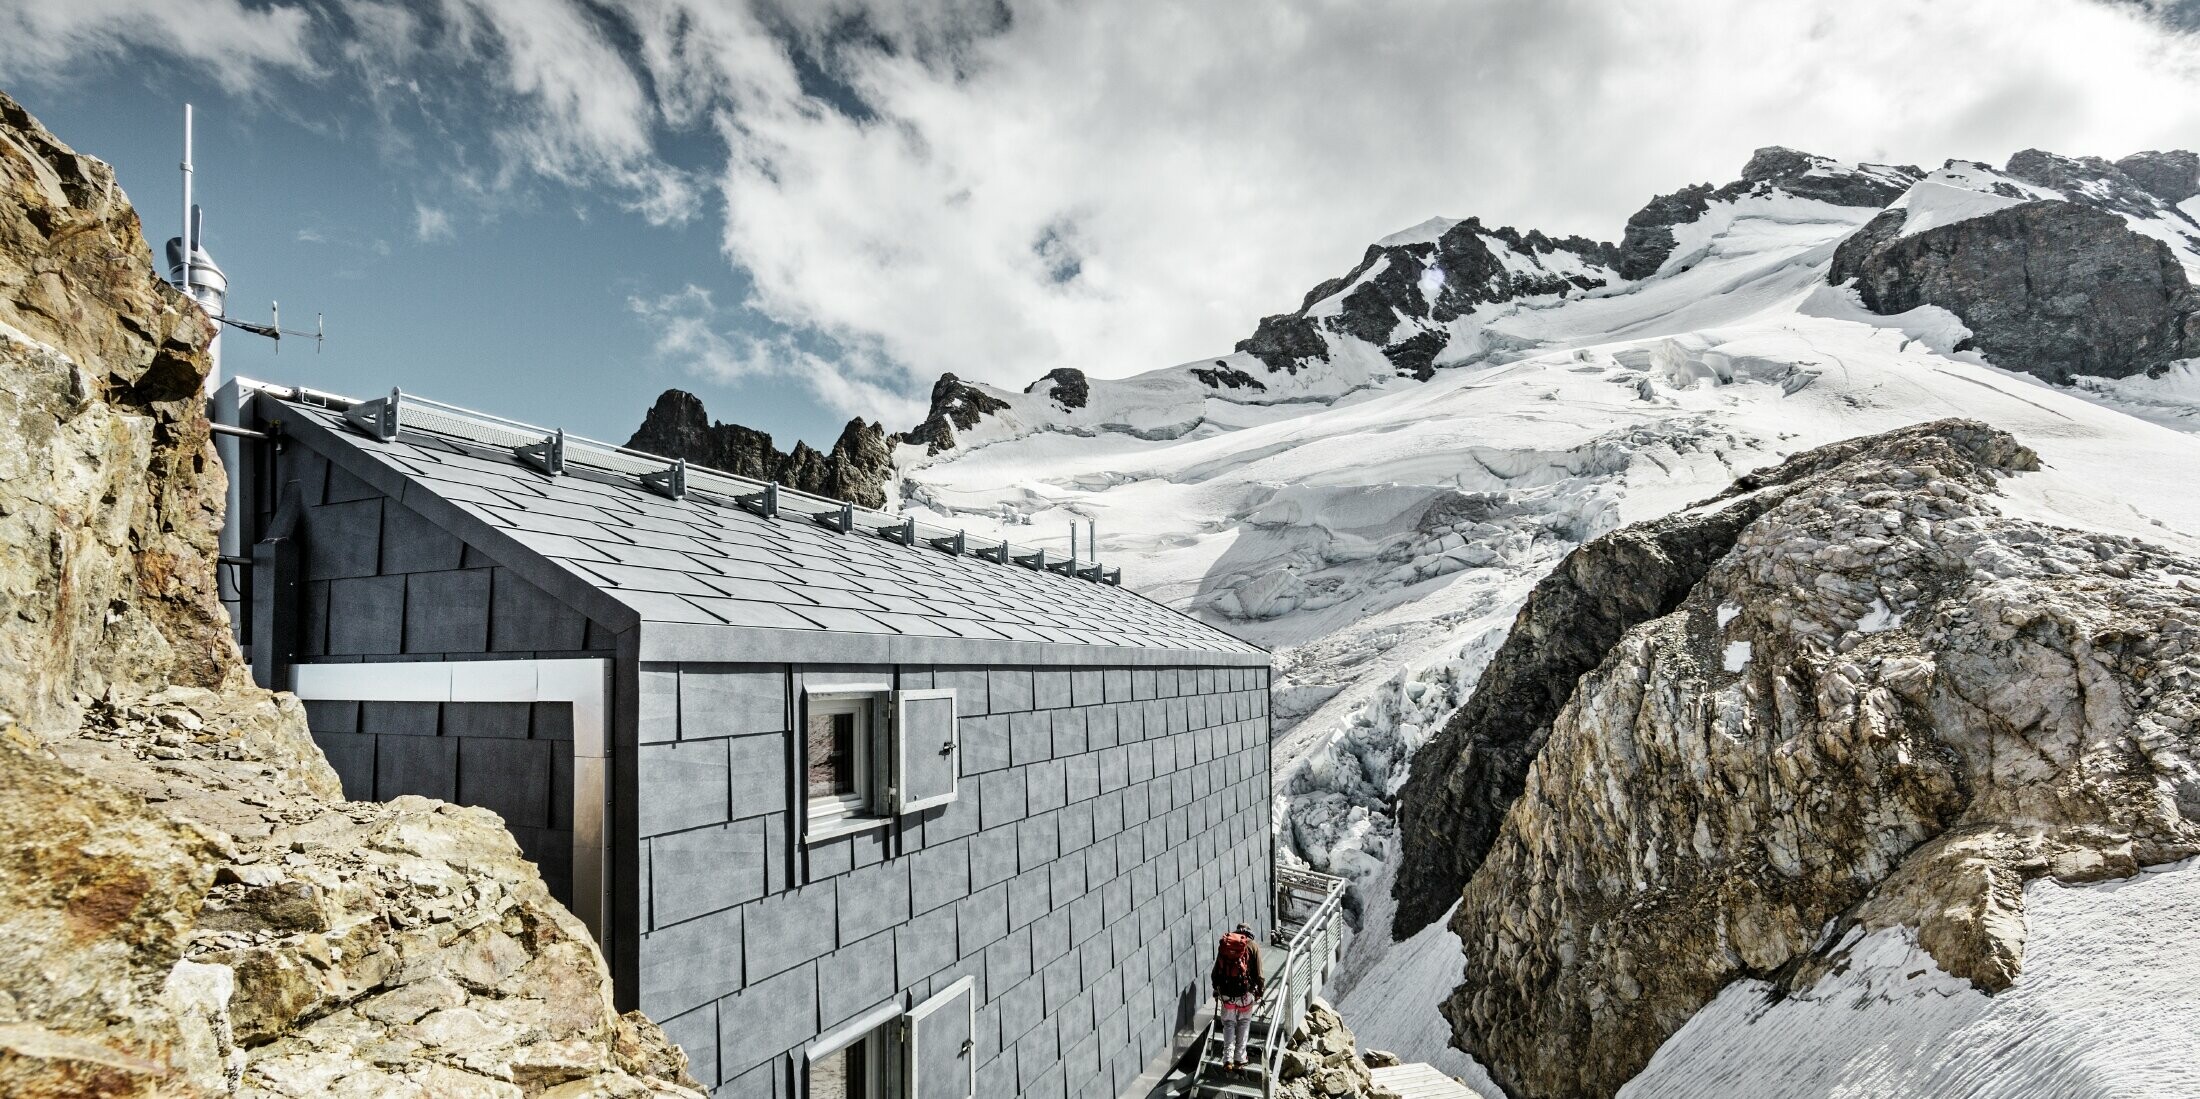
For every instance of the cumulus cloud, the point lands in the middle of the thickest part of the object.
(235, 43)
(1120, 186)
(998, 189)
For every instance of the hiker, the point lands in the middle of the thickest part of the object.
(1238, 986)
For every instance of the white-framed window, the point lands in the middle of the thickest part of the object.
(871, 753)
(866, 1068)
(926, 1051)
(840, 754)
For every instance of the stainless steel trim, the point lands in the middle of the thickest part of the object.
(582, 683)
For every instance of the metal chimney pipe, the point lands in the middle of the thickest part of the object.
(189, 242)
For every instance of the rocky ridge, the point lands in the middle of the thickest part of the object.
(2061, 266)
(855, 469)
(1905, 702)
(188, 907)
(1431, 295)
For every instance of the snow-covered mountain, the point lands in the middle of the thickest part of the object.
(1371, 484)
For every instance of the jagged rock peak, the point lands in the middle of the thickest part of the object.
(2098, 182)
(956, 404)
(856, 469)
(1877, 702)
(1415, 282)
(2172, 176)
(1649, 237)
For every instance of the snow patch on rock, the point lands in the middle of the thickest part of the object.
(2104, 1007)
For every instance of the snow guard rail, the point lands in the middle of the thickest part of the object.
(553, 451)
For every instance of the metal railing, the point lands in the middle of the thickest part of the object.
(554, 451)
(1309, 927)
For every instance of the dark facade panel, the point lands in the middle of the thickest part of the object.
(1081, 890)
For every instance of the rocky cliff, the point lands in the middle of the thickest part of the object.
(2060, 266)
(1878, 701)
(856, 469)
(188, 907)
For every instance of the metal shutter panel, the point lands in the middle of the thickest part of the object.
(943, 1059)
(927, 755)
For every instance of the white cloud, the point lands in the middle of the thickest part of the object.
(582, 114)
(232, 42)
(1199, 165)
(430, 223)
(687, 328)
(1122, 185)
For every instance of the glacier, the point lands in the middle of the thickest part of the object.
(1379, 532)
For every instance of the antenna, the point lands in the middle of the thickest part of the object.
(274, 329)
(195, 273)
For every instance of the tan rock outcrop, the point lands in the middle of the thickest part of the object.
(188, 906)
(1322, 1060)
(1887, 704)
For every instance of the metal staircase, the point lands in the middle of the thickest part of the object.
(1309, 927)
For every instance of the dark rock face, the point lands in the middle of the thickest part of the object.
(955, 404)
(677, 426)
(1425, 285)
(1416, 355)
(1649, 236)
(1649, 239)
(2173, 176)
(857, 469)
(2091, 181)
(1815, 177)
(1467, 776)
(1224, 376)
(1285, 340)
(2051, 288)
(1071, 390)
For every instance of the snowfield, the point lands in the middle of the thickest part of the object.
(2111, 969)
(1379, 533)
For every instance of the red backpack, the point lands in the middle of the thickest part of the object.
(1237, 966)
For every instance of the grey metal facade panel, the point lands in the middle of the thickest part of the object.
(1084, 936)
(620, 539)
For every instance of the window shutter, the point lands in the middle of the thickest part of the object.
(926, 753)
(943, 1059)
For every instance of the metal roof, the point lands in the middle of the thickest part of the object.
(706, 558)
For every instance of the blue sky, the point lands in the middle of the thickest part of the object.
(518, 304)
(809, 209)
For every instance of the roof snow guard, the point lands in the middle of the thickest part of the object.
(681, 543)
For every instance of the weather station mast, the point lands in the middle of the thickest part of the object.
(193, 271)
